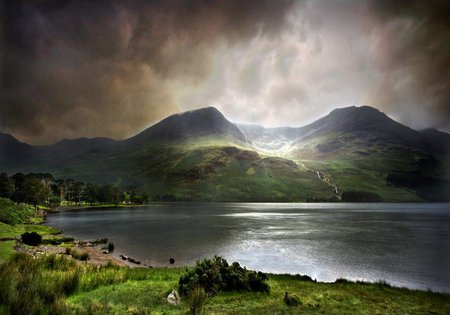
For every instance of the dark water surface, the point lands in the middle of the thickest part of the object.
(404, 244)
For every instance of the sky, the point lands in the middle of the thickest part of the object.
(112, 68)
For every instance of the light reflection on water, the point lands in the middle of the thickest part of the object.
(405, 244)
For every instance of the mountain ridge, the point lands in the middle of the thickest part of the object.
(199, 155)
(213, 115)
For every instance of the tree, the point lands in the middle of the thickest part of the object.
(69, 190)
(7, 187)
(78, 190)
(131, 190)
(91, 193)
(19, 195)
(116, 196)
(35, 191)
(61, 188)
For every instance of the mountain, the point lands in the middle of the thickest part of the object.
(13, 149)
(364, 121)
(201, 156)
(188, 125)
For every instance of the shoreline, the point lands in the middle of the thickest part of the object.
(151, 262)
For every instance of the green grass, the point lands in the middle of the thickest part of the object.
(61, 286)
(316, 298)
(13, 231)
(6, 250)
(15, 220)
(11, 213)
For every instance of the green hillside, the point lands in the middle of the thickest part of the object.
(394, 171)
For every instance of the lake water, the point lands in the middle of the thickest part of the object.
(404, 244)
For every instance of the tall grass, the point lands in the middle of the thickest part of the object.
(36, 286)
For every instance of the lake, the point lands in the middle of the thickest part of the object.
(403, 244)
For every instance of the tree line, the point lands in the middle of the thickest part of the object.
(44, 189)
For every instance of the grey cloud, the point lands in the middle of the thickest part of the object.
(111, 68)
(106, 68)
(413, 42)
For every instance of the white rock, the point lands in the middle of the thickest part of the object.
(173, 298)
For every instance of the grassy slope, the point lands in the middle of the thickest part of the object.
(207, 168)
(144, 290)
(17, 219)
(359, 163)
(214, 173)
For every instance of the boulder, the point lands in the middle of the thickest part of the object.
(173, 298)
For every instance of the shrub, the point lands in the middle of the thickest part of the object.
(31, 238)
(216, 275)
(198, 297)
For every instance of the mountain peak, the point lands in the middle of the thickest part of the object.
(364, 110)
(191, 124)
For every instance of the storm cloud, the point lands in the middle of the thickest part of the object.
(112, 68)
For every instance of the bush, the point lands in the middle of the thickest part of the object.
(216, 275)
(31, 238)
(198, 297)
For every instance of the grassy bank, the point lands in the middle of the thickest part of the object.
(58, 285)
(15, 220)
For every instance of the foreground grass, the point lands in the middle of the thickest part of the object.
(58, 285)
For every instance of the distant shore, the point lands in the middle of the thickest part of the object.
(99, 206)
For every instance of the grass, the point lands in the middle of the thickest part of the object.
(58, 285)
(13, 214)
(16, 220)
(6, 250)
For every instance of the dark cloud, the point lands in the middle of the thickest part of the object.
(413, 42)
(111, 68)
(88, 68)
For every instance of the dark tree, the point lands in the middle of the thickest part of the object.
(7, 187)
(132, 193)
(19, 194)
(61, 188)
(91, 193)
(78, 189)
(69, 190)
(35, 191)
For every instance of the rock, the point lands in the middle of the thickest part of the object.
(173, 298)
